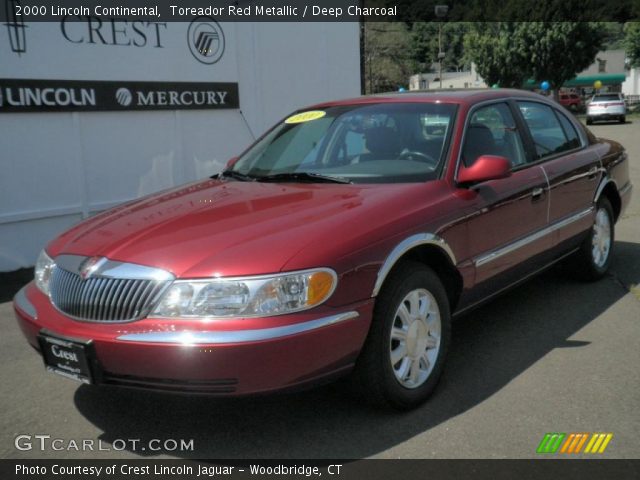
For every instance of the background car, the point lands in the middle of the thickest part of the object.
(571, 101)
(606, 106)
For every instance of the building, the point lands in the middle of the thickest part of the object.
(463, 79)
(93, 115)
(608, 67)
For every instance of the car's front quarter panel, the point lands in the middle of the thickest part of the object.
(174, 353)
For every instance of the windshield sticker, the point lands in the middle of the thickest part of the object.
(305, 116)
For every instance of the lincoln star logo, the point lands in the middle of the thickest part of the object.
(89, 266)
(15, 27)
(206, 40)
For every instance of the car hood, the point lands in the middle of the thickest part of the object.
(228, 228)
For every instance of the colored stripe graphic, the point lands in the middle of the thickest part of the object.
(598, 443)
(551, 442)
(572, 443)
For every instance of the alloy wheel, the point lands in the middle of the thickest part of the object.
(415, 338)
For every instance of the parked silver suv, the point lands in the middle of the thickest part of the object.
(606, 106)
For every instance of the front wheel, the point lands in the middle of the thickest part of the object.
(623, 119)
(403, 356)
(593, 259)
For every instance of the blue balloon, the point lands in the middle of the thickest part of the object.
(545, 85)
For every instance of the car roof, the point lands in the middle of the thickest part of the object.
(467, 96)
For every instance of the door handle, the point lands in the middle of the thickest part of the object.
(536, 194)
(592, 173)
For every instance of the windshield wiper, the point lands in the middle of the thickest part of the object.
(235, 175)
(308, 177)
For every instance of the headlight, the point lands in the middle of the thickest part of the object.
(44, 267)
(248, 296)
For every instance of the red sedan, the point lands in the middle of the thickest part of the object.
(343, 241)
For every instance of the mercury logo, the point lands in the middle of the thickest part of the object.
(206, 40)
(124, 97)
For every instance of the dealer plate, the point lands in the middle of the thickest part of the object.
(66, 357)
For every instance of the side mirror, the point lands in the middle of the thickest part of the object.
(232, 161)
(487, 167)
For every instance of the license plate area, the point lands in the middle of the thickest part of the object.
(70, 358)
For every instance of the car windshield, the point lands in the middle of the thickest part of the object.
(373, 143)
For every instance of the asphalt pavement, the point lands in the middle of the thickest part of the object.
(553, 355)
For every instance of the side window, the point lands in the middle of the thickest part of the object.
(572, 136)
(492, 131)
(548, 134)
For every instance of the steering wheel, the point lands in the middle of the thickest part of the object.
(417, 156)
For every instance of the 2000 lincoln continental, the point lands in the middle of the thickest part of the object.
(343, 241)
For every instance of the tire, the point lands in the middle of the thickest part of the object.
(623, 119)
(420, 342)
(589, 121)
(593, 259)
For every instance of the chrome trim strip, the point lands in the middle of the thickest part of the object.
(403, 247)
(236, 336)
(494, 255)
(511, 285)
(546, 177)
(605, 181)
(20, 300)
(106, 268)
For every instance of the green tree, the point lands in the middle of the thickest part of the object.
(498, 53)
(632, 43)
(387, 62)
(558, 51)
(424, 44)
(508, 53)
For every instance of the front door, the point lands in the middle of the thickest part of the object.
(510, 214)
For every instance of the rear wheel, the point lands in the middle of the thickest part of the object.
(593, 259)
(403, 356)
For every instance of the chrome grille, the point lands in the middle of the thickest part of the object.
(103, 299)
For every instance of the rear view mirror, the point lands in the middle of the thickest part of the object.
(486, 167)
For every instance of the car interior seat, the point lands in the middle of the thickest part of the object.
(479, 141)
(383, 143)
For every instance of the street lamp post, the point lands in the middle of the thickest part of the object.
(441, 12)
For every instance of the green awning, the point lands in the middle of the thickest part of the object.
(586, 80)
(589, 80)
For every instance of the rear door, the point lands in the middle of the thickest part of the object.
(573, 169)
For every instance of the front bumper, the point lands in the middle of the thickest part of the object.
(229, 357)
